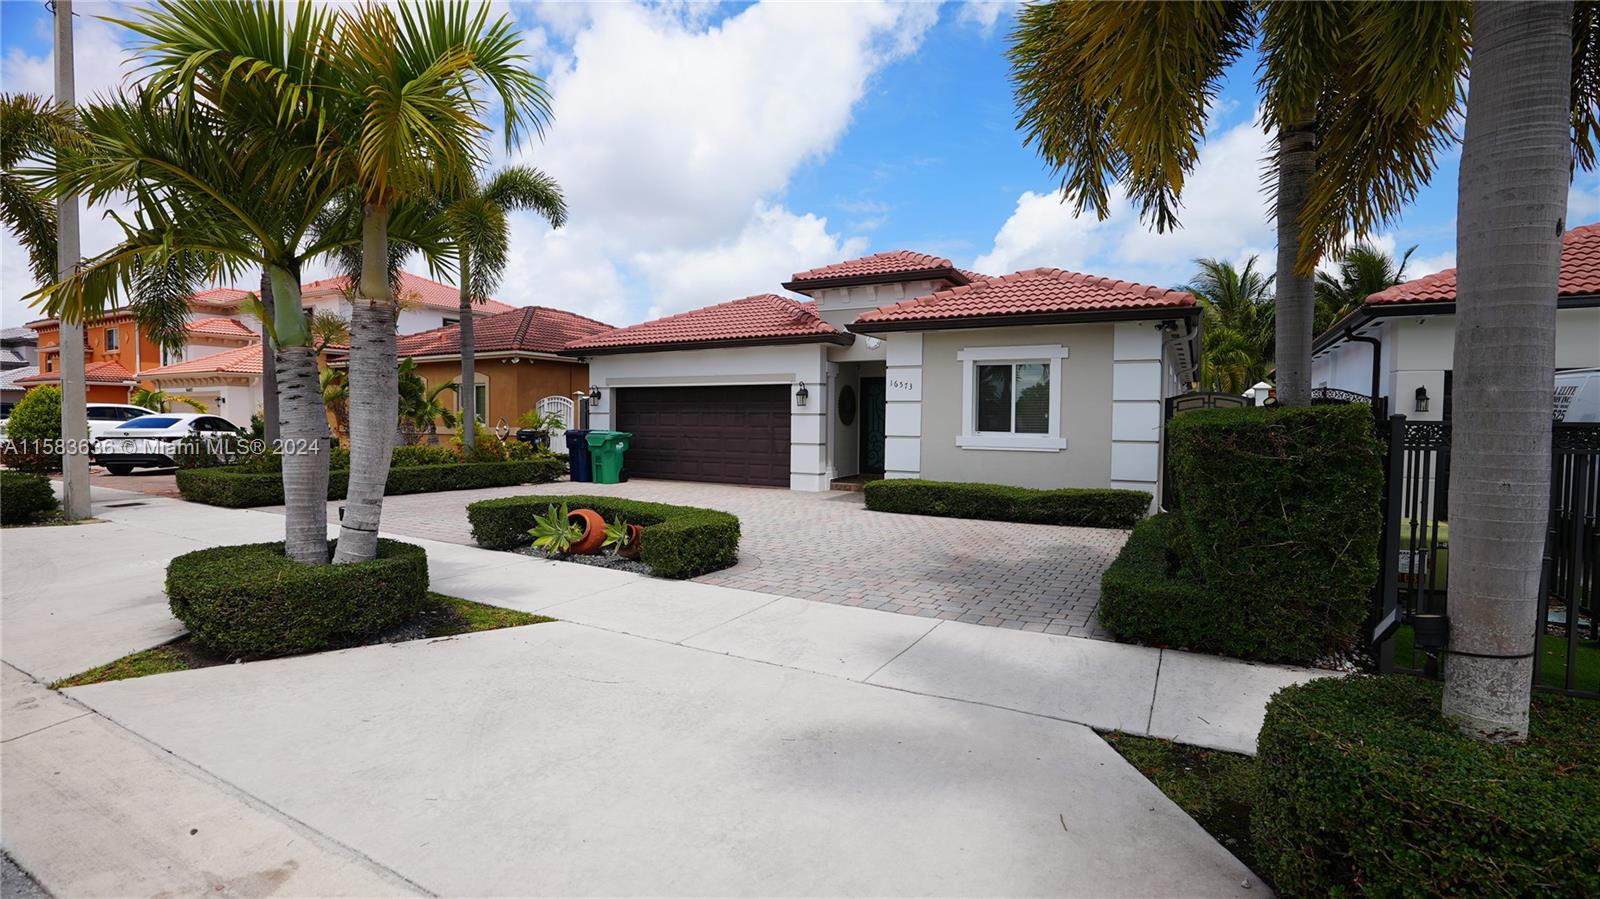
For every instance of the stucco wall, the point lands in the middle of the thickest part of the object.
(1085, 409)
(513, 388)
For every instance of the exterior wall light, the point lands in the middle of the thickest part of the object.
(801, 395)
(1421, 403)
(594, 394)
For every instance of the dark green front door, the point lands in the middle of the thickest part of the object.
(872, 425)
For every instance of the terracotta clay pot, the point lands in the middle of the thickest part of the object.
(630, 547)
(594, 532)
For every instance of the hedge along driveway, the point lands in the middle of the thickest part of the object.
(246, 489)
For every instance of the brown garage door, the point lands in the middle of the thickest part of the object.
(729, 435)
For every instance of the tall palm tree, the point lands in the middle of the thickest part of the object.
(478, 229)
(1237, 334)
(1121, 92)
(1531, 108)
(1363, 271)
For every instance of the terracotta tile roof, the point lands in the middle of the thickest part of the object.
(221, 327)
(244, 360)
(107, 372)
(425, 291)
(1580, 274)
(224, 297)
(1039, 291)
(878, 267)
(762, 318)
(532, 329)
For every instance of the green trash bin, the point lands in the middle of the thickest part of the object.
(606, 448)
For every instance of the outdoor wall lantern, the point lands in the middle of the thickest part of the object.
(801, 395)
(594, 394)
(1421, 404)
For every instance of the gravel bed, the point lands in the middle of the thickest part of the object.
(603, 560)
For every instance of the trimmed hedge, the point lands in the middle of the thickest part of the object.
(677, 541)
(24, 497)
(1088, 507)
(239, 489)
(1366, 788)
(252, 600)
(1273, 549)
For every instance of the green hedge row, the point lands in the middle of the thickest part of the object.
(677, 541)
(1272, 551)
(1089, 507)
(253, 601)
(243, 489)
(1365, 788)
(24, 497)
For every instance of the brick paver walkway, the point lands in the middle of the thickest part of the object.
(828, 547)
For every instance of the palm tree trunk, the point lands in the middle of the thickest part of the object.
(468, 393)
(304, 446)
(1512, 195)
(269, 374)
(1296, 295)
(374, 392)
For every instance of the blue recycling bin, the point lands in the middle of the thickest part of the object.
(578, 464)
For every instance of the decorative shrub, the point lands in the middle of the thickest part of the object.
(421, 454)
(1366, 788)
(24, 497)
(252, 600)
(677, 541)
(35, 425)
(1089, 507)
(240, 487)
(1273, 549)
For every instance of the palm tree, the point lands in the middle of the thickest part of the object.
(336, 398)
(1238, 323)
(477, 218)
(1528, 116)
(1363, 271)
(161, 401)
(1122, 92)
(420, 409)
(30, 129)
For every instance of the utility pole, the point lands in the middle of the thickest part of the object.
(74, 393)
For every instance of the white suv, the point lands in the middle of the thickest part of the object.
(103, 417)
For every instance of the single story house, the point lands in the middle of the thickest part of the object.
(1400, 343)
(516, 363)
(901, 365)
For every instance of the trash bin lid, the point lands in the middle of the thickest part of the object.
(601, 438)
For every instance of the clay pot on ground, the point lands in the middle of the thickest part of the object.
(594, 532)
(630, 547)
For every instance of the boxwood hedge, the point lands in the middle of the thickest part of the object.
(1365, 788)
(1089, 507)
(1273, 549)
(24, 497)
(677, 541)
(252, 600)
(243, 487)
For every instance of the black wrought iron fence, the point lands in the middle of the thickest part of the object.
(1413, 590)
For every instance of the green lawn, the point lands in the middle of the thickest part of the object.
(1213, 787)
(1552, 668)
(447, 617)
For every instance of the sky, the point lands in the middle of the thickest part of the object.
(708, 151)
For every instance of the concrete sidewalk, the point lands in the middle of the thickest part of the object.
(662, 738)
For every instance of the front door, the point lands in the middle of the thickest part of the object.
(872, 397)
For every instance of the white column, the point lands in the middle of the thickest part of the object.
(808, 441)
(1136, 407)
(902, 442)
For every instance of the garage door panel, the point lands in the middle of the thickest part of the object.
(734, 435)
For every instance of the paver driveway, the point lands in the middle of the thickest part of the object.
(828, 547)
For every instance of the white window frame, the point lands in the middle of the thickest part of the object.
(971, 438)
(113, 339)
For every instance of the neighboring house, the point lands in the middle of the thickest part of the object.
(19, 358)
(425, 304)
(902, 365)
(516, 359)
(228, 382)
(1401, 343)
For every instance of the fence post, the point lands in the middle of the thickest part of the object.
(1387, 619)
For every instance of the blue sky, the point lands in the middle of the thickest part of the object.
(710, 151)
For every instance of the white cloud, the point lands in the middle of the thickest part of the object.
(773, 243)
(1225, 215)
(1427, 265)
(983, 14)
(1583, 201)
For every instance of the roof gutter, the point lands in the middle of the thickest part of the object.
(1369, 311)
(1377, 347)
(1041, 318)
(840, 339)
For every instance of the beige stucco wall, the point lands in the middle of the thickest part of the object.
(1085, 412)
